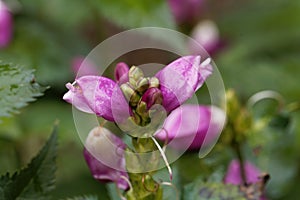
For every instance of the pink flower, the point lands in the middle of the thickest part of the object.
(233, 175)
(192, 126)
(176, 82)
(185, 10)
(206, 34)
(104, 154)
(6, 23)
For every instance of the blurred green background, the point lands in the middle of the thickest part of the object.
(261, 51)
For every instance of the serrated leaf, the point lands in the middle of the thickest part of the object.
(83, 198)
(133, 14)
(200, 190)
(17, 88)
(210, 190)
(37, 179)
(40, 47)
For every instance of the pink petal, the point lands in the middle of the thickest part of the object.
(98, 92)
(104, 154)
(191, 126)
(180, 79)
(75, 96)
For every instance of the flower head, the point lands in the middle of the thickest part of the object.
(104, 154)
(206, 34)
(5, 25)
(192, 126)
(133, 102)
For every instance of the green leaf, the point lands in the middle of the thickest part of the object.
(17, 88)
(83, 198)
(37, 179)
(200, 190)
(133, 14)
(112, 191)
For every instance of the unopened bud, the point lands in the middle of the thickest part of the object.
(127, 90)
(142, 85)
(134, 99)
(135, 74)
(105, 155)
(152, 96)
(121, 73)
(153, 82)
(142, 110)
(131, 96)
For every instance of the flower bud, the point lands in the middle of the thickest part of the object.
(121, 73)
(135, 74)
(127, 90)
(142, 85)
(5, 25)
(152, 96)
(104, 154)
(153, 82)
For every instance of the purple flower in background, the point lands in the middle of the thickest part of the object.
(233, 175)
(185, 10)
(104, 154)
(192, 126)
(6, 23)
(206, 34)
(80, 67)
(174, 84)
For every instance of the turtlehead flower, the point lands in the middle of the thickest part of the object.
(133, 101)
(206, 34)
(81, 68)
(192, 126)
(233, 175)
(6, 23)
(104, 155)
(185, 10)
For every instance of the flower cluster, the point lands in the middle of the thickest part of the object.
(133, 100)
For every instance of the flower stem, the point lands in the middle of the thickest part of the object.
(238, 151)
(144, 187)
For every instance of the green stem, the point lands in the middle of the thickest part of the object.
(144, 187)
(238, 151)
